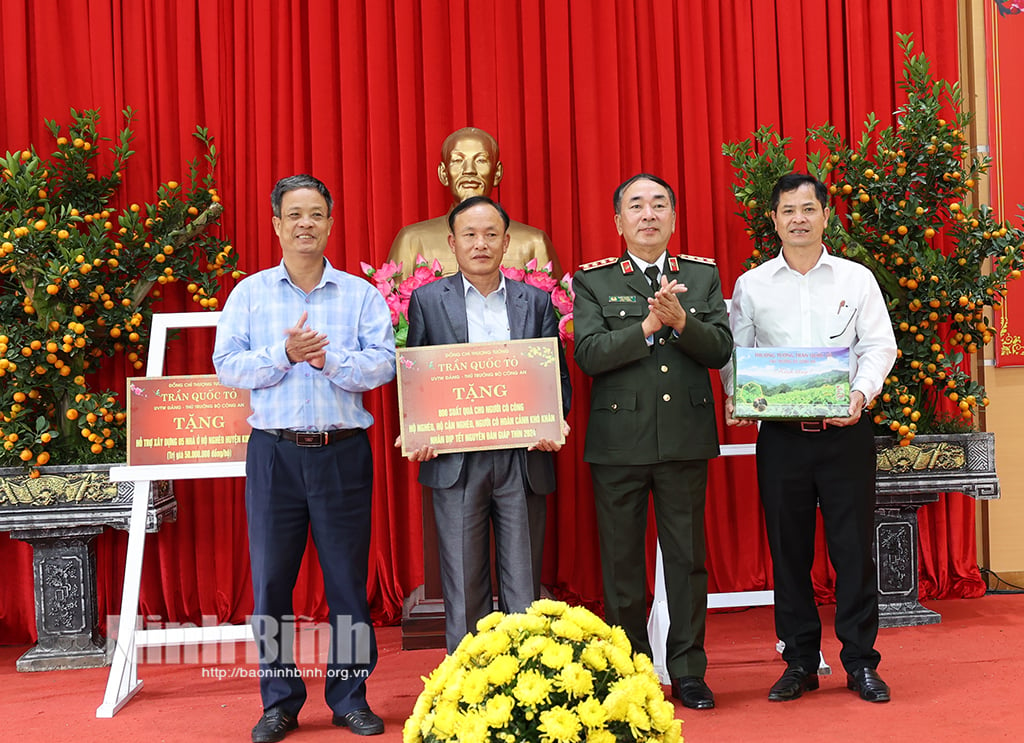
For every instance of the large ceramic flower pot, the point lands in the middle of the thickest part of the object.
(59, 514)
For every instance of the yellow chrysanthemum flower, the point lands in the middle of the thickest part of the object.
(568, 629)
(502, 670)
(620, 660)
(453, 689)
(532, 646)
(593, 656)
(472, 728)
(445, 718)
(411, 730)
(475, 686)
(489, 622)
(531, 688)
(559, 725)
(662, 713)
(616, 704)
(600, 736)
(524, 624)
(674, 733)
(546, 606)
(620, 640)
(439, 676)
(498, 711)
(638, 719)
(588, 621)
(575, 680)
(555, 655)
(591, 713)
(643, 664)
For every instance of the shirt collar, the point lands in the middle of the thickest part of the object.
(330, 275)
(467, 287)
(642, 264)
(778, 263)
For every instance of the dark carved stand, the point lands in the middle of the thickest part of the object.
(60, 514)
(67, 621)
(908, 478)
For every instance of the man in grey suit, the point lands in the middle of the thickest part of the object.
(506, 487)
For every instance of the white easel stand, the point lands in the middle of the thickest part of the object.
(123, 682)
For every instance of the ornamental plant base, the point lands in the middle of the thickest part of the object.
(60, 513)
(908, 477)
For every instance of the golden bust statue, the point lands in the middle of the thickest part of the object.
(469, 166)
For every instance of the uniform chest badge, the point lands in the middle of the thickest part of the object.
(620, 299)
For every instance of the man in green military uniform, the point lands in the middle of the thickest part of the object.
(648, 327)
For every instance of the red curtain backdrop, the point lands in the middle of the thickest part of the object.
(579, 93)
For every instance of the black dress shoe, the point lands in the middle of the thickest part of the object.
(273, 726)
(693, 692)
(360, 721)
(792, 684)
(868, 684)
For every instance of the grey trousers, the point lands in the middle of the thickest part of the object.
(492, 490)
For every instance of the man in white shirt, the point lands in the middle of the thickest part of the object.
(810, 298)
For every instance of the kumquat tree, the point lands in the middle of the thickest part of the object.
(78, 277)
(900, 199)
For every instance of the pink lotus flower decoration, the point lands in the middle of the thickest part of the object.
(397, 294)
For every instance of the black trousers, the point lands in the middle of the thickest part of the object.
(288, 491)
(798, 472)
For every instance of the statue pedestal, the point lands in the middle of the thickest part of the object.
(423, 610)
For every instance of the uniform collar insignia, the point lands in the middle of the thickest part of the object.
(627, 267)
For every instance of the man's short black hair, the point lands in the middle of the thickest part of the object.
(793, 181)
(469, 204)
(617, 198)
(294, 183)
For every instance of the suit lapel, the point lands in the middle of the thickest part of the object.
(453, 299)
(518, 308)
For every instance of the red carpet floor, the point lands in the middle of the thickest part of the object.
(961, 680)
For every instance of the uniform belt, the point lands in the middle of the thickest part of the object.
(805, 426)
(315, 438)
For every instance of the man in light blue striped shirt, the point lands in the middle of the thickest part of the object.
(308, 341)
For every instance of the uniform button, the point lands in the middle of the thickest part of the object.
(666, 397)
(615, 406)
(693, 310)
(622, 313)
(664, 369)
(661, 341)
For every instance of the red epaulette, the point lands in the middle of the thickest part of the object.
(599, 263)
(697, 259)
